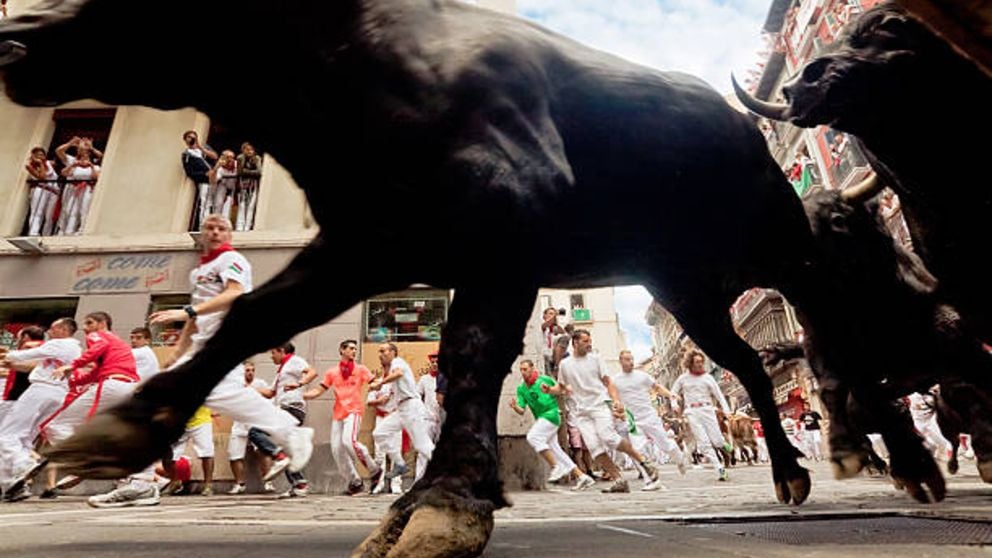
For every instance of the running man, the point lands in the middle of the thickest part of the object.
(144, 356)
(237, 444)
(387, 435)
(427, 389)
(635, 388)
(410, 408)
(346, 380)
(585, 381)
(533, 392)
(698, 390)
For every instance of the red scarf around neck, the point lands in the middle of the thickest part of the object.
(215, 253)
(346, 368)
(533, 378)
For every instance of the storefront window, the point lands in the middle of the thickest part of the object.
(166, 335)
(414, 315)
(17, 314)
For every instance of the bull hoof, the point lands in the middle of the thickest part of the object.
(952, 466)
(985, 469)
(846, 465)
(114, 443)
(794, 487)
(448, 526)
(918, 476)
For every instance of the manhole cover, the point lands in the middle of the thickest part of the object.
(868, 530)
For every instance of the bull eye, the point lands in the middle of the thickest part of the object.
(838, 222)
(815, 69)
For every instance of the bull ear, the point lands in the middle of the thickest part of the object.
(912, 271)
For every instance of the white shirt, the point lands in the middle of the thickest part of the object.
(208, 281)
(146, 362)
(699, 390)
(405, 385)
(390, 405)
(585, 376)
(426, 390)
(921, 407)
(635, 392)
(290, 372)
(52, 354)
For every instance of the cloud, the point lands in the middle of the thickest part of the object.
(631, 303)
(706, 38)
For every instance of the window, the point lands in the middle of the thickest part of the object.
(167, 335)
(60, 205)
(17, 314)
(413, 315)
(577, 301)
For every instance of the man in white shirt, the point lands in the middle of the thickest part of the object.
(387, 435)
(698, 391)
(144, 356)
(237, 443)
(922, 408)
(409, 407)
(596, 402)
(44, 396)
(635, 388)
(427, 389)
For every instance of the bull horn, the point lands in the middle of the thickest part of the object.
(864, 190)
(772, 111)
(11, 51)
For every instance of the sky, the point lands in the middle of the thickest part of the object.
(707, 38)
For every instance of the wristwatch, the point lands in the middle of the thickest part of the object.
(190, 312)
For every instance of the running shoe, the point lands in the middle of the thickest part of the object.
(724, 476)
(618, 487)
(127, 495)
(207, 491)
(49, 494)
(24, 473)
(653, 486)
(354, 487)
(374, 478)
(399, 469)
(650, 468)
(67, 482)
(279, 464)
(559, 472)
(23, 493)
(683, 464)
(584, 482)
(268, 488)
(238, 489)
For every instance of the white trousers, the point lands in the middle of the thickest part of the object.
(237, 442)
(598, 430)
(75, 207)
(706, 431)
(813, 441)
(346, 448)
(654, 430)
(247, 194)
(543, 435)
(202, 204)
(42, 209)
(932, 436)
(202, 437)
(20, 427)
(413, 416)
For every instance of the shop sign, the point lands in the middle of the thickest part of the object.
(121, 273)
(781, 393)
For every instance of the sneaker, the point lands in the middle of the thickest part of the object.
(375, 478)
(127, 495)
(354, 487)
(559, 472)
(23, 474)
(279, 464)
(396, 486)
(207, 491)
(618, 487)
(653, 486)
(651, 469)
(399, 469)
(301, 490)
(723, 474)
(67, 482)
(22, 493)
(238, 489)
(177, 488)
(300, 448)
(584, 482)
(682, 464)
(49, 494)
(268, 488)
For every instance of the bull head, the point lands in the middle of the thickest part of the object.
(868, 71)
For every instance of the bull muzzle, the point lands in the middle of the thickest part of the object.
(771, 111)
(11, 51)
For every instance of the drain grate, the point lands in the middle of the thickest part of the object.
(869, 530)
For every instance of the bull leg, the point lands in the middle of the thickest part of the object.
(972, 403)
(449, 512)
(711, 329)
(128, 437)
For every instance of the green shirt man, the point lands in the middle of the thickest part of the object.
(543, 405)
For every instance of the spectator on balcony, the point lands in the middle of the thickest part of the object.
(891, 212)
(80, 146)
(801, 173)
(44, 190)
(197, 168)
(223, 181)
(81, 176)
(837, 147)
(249, 177)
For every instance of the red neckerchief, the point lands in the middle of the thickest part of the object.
(215, 253)
(533, 378)
(433, 372)
(285, 359)
(346, 368)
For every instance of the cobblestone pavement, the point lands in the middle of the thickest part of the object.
(688, 504)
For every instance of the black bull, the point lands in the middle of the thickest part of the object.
(543, 163)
